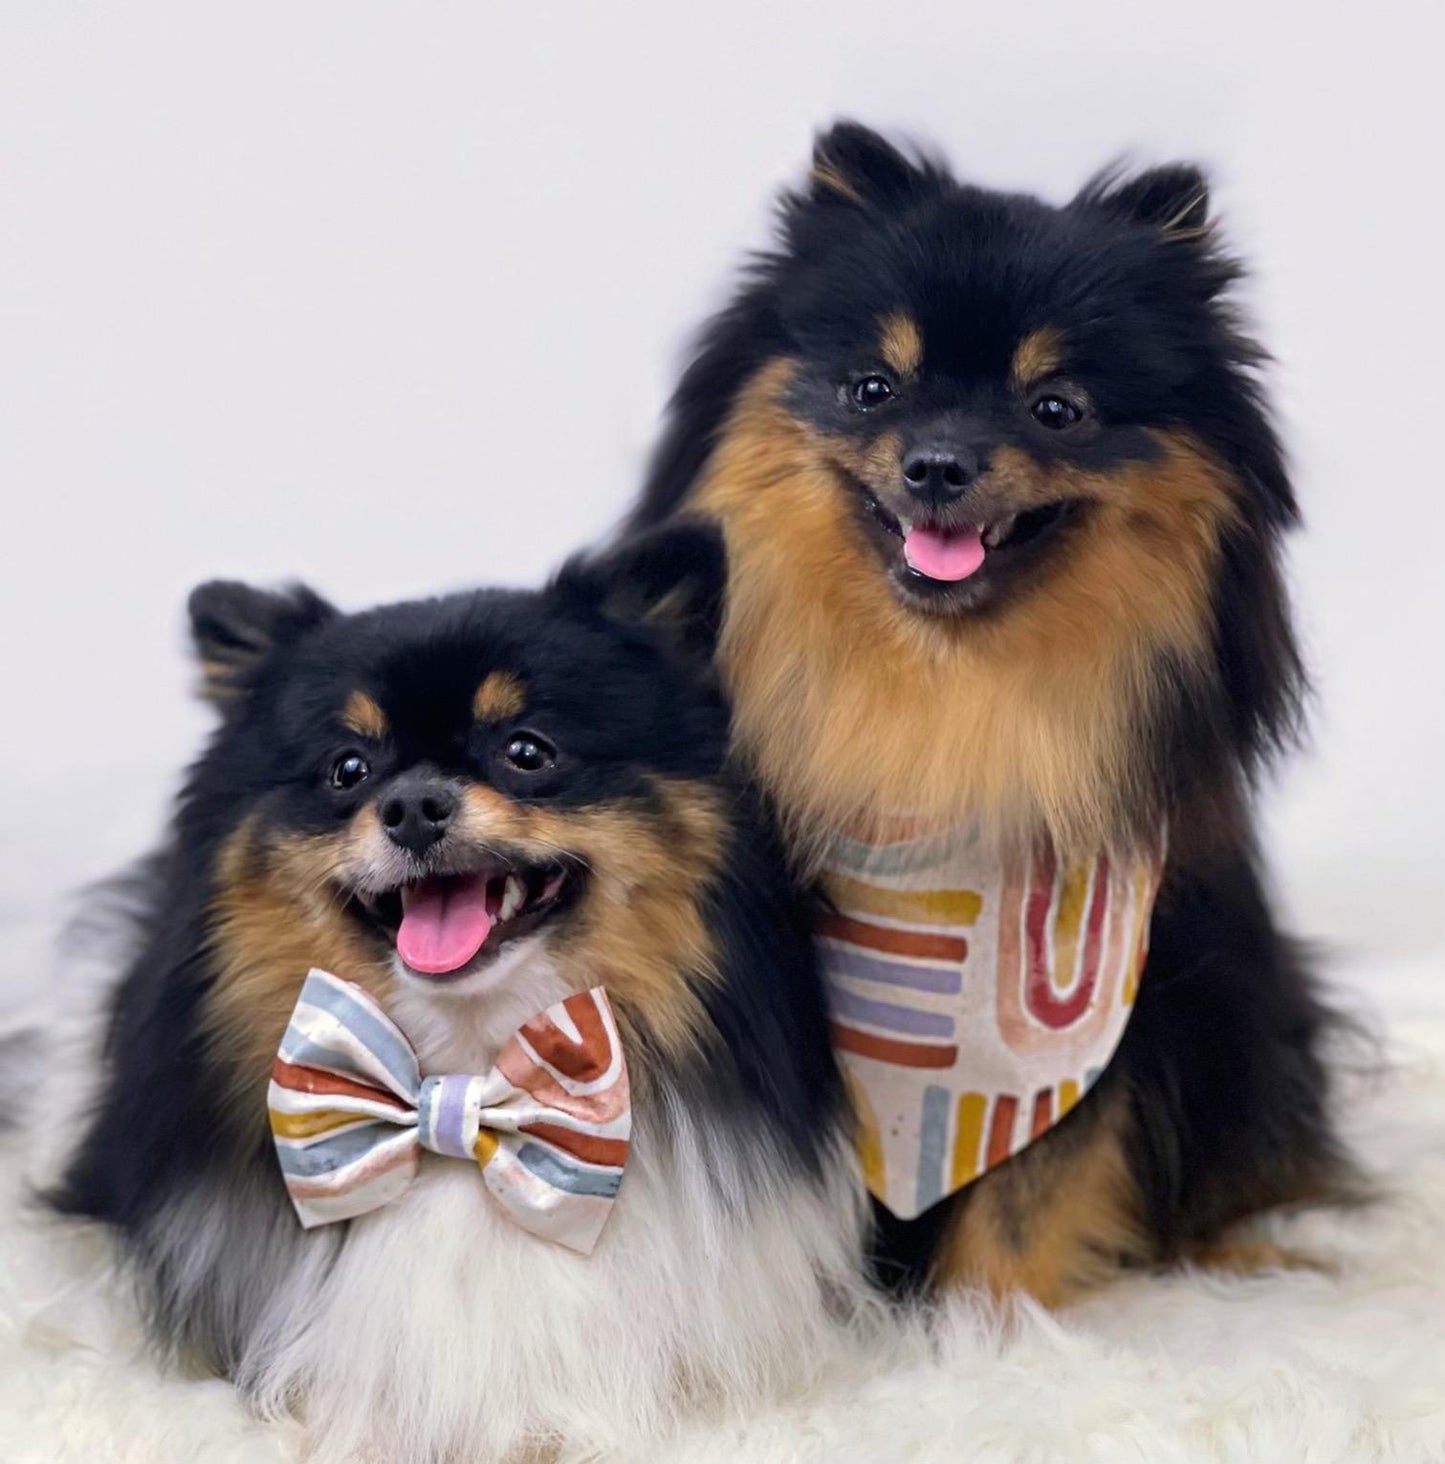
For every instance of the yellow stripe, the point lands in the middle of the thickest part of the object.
(971, 1110)
(485, 1147)
(1067, 922)
(866, 1140)
(1142, 908)
(935, 907)
(304, 1125)
(1068, 1096)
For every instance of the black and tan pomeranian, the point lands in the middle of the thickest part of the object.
(1008, 644)
(474, 808)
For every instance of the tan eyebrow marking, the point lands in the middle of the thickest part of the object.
(500, 695)
(1039, 354)
(900, 342)
(362, 715)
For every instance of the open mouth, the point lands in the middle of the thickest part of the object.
(442, 923)
(937, 557)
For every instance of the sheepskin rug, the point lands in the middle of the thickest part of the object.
(1304, 1366)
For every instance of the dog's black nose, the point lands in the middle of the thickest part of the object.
(938, 474)
(416, 811)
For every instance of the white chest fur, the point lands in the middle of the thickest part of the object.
(444, 1330)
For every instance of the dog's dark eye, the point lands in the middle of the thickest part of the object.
(871, 391)
(1056, 412)
(528, 753)
(347, 772)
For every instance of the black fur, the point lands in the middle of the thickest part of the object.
(1222, 1058)
(614, 657)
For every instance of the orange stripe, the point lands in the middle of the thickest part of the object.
(888, 1049)
(1043, 1112)
(317, 1080)
(897, 942)
(582, 1062)
(590, 1147)
(1000, 1131)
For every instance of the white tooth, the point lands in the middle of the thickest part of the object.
(998, 532)
(406, 892)
(514, 896)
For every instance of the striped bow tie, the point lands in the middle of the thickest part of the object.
(549, 1124)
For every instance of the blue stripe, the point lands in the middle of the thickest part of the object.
(932, 1147)
(336, 1152)
(568, 1175)
(888, 1014)
(912, 856)
(945, 980)
(380, 1038)
(426, 1113)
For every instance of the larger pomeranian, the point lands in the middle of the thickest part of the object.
(464, 817)
(1008, 644)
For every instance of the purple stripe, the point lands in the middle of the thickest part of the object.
(849, 960)
(889, 1015)
(448, 1104)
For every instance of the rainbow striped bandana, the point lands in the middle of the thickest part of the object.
(549, 1125)
(974, 996)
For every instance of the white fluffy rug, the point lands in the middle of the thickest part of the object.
(1278, 1369)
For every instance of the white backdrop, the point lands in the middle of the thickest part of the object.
(390, 298)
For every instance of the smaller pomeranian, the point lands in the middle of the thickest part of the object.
(457, 815)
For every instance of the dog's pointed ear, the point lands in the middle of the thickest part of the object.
(854, 164)
(671, 579)
(1173, 199)
(235, 628)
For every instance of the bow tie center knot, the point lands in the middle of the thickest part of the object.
(448, 1114)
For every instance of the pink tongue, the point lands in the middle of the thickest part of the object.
(444, 924)
(944, 556)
